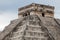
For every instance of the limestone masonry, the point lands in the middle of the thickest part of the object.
(35, 22)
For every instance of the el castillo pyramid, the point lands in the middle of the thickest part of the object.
(35, 22)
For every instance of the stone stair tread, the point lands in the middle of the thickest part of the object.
(16, 37)
(34, 26)
(36, 36)
(34, 31)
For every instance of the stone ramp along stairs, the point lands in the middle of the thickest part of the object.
(52, 25)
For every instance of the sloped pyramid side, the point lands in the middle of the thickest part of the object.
(32, 27)
(29, 29)
(53, 26)
(10, 27)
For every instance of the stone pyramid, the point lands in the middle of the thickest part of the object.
(33, 26)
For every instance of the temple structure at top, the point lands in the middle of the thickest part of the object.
(36, 9)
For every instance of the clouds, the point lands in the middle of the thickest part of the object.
(57, 9)
(5, 2)
(14, 4)
(47, 2)
(57, 14)
(6, 17)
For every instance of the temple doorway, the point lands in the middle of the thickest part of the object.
(43, 14)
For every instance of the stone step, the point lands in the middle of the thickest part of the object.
(15, 37)
(35, 34)
(35, 37)
(36, 26)
(17, 33)
(35, 31)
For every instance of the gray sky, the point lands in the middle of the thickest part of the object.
(9, 9)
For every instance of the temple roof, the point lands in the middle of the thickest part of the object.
(35, 4)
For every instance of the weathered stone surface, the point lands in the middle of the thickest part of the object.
(45, 10)
(9, 28)
(32, 26)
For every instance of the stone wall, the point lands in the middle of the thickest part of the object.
(48, 12)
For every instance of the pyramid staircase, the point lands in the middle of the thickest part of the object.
(30, 30)
(35, 32)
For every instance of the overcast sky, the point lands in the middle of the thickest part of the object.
(9, 9)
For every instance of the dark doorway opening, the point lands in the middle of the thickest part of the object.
(43, 14)
(25, 14)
